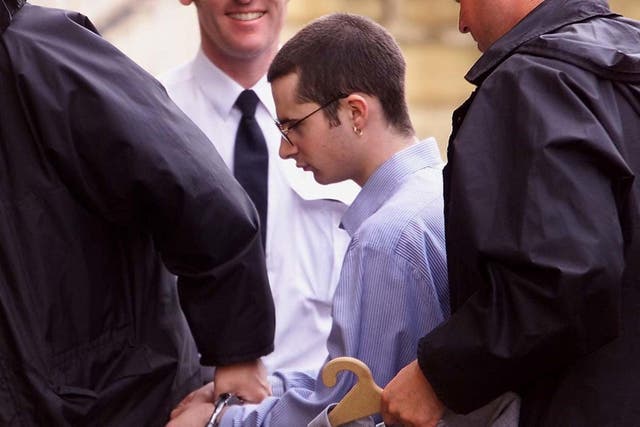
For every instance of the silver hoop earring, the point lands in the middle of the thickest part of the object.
(357, 131)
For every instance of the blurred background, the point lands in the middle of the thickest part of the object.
(160, 34)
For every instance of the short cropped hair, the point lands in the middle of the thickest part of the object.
(341, 54)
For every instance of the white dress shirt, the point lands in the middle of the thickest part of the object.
(305, 245)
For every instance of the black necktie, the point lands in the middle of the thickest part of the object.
(251, 158)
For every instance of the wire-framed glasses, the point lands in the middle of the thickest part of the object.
(286, 127)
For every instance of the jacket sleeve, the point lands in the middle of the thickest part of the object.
(534, 241)
(122, 147)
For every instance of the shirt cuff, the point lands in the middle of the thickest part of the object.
(227, 417)
(322, 420)
(277, 385)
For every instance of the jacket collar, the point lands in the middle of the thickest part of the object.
(548, 16)
(8, 8)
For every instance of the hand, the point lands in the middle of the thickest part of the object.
(195, 409)
(247, 380)
(410, 401)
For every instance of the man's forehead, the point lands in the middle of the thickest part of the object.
(286, 86)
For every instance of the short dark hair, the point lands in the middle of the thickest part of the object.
(341, 54)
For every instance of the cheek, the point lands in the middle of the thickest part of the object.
(212, 27)
(304, 150)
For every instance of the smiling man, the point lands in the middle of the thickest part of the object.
(342, 123)
(239, 38)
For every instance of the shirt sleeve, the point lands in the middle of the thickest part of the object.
(382, 306)
(123, 148)
(534, 240)
(322, 420)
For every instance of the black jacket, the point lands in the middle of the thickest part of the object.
(542, 211)
(103, 184)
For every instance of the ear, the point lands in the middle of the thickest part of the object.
(358, 110)
(186, 2)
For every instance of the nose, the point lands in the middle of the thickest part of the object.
(286, 150)
(462, 25)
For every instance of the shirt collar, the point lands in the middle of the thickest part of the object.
(548, 16)
(382, 184)
(213, 81)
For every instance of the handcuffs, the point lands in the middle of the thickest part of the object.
(223, 400)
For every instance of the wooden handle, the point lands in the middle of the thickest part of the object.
(364, 397)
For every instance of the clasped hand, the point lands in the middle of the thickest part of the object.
(247, 380)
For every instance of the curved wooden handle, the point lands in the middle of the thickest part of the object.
(364, 397)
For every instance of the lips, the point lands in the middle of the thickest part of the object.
(246, 16)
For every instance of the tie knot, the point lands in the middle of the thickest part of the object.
(247, 102)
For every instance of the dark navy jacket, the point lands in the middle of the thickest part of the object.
(104, 185)
(542, 209)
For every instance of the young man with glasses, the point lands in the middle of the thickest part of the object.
(339, 91)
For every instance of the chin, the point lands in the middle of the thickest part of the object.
(319, 178)
(324, 180)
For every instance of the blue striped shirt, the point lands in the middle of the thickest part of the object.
(392, 289)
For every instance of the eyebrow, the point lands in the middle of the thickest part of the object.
(285, 121)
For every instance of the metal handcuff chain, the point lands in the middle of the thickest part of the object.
(225, 399)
